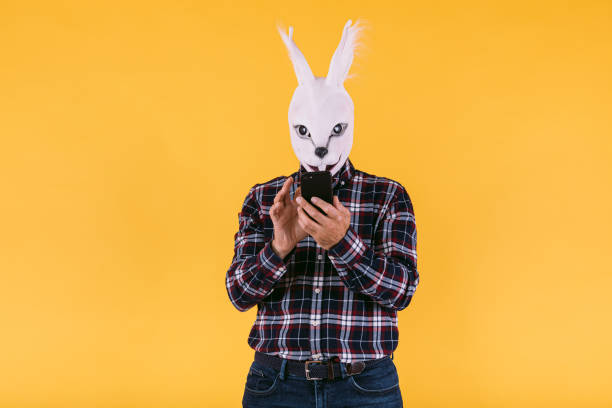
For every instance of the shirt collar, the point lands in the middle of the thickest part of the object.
(344, 175)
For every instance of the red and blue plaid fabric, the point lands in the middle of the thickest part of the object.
(314, 303)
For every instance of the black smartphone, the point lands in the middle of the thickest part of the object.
(319, 184)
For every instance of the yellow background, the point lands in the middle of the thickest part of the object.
(132, 131)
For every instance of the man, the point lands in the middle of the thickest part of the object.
(327, 289)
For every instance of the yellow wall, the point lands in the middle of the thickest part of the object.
(132, 131)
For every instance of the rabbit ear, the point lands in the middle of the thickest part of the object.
(301, 67)
(343, 57)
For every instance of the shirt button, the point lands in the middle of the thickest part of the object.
(315, 323)
(342, 183)
(320, 256)
(316, 356)
(318, 290)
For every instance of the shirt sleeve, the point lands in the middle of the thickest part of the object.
(389, 276)
(255, 268)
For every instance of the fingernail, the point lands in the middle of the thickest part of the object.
(314, 199)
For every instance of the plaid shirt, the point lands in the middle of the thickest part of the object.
(317, 303)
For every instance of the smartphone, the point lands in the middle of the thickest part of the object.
(319, 184)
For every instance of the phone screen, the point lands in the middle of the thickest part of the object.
(319, 184)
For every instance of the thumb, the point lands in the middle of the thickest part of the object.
(337, 203)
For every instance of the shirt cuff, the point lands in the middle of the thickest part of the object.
(348, 251)
(273, 265)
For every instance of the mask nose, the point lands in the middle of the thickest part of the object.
(321, 151)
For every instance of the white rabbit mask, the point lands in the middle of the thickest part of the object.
(321, 111)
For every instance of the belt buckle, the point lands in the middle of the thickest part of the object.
(308, 371)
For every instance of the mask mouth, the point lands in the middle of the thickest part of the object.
(329, 166)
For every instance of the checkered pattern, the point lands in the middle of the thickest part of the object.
(314, 303)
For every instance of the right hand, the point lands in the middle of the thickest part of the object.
(284, 214)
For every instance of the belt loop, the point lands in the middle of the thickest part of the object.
(330, 366)
(343, 370)
(282, 369)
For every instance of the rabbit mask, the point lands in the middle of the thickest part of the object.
(321, 111)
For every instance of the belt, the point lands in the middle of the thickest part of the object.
(315, 369)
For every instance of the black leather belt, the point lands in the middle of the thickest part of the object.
(315, 369)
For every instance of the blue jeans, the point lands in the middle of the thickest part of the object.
(376, 386)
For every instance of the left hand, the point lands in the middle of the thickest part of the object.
(328, 229)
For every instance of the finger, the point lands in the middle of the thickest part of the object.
(286, 189)
(330, 210)
(314, 213)
(297, 193)
(301, 221)
(306, 223)
(278, 207)
(339, 206)
(280, 196)
(279, 204)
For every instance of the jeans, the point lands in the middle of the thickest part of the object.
(376, 386)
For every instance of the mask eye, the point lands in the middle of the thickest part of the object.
(339, 129)
(302, 131)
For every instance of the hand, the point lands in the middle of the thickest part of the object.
(328, 229)
(284, 214)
